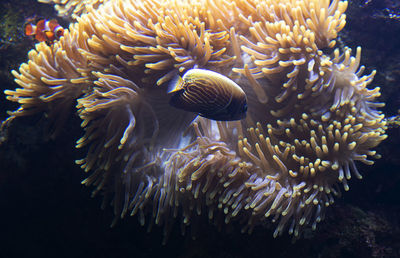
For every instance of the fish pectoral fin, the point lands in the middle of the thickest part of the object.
(176, 84)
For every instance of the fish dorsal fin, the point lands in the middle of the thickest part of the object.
(176, 84)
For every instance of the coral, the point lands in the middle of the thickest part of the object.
(311, 115)
(10, 34)
(386, 9)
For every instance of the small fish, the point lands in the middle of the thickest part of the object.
(209, 94)
(43, 30)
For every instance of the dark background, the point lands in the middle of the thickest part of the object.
(46, 212)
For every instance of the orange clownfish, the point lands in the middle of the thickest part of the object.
(44, 30)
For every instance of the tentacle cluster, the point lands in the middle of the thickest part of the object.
(73, 8)
(311, 115)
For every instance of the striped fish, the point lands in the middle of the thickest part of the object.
(209, 94)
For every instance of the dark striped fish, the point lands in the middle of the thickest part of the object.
(209, 94)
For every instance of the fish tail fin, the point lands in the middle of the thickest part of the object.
(30, 29)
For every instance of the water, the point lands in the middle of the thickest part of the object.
(47, 212)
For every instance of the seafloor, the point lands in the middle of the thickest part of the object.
(46, 212)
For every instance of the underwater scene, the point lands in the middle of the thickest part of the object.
(200, 128)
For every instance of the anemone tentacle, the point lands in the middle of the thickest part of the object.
(311, 115)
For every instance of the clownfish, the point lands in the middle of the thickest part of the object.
(44, 30)
(209, 94)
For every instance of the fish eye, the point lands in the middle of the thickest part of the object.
(59, 33)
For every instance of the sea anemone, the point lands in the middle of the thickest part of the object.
(72, 8)
(310, 114)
